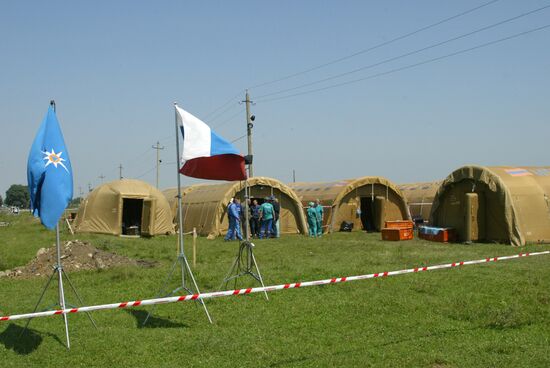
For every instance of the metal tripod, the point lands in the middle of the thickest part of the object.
(60, 272)
(245, 262)
(181, 258)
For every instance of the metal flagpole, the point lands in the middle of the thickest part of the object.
(181, 259)
(59, 269)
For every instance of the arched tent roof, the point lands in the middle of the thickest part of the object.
(342, 200)
(420, 197)
(171, 195)
(510, 204)
(109, 206)
(205, 206)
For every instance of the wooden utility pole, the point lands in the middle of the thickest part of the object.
(158, 147)
(120, 171)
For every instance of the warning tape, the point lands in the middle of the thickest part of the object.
(217, 294)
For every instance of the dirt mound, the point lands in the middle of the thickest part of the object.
(75, 256)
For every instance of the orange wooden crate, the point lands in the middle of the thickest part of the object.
(399, 224)
(443, 236)
(398, 233)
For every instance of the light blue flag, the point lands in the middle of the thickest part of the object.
(49, 172)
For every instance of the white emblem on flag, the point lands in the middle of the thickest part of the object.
(54, 158)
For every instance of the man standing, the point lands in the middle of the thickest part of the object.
(234, 215)
(319, 212)
(254, 219)
(312, 220)
(266, 218)
(277, 212)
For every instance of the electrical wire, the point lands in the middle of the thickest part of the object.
(399, 38)
(410, 66)
(482, 29)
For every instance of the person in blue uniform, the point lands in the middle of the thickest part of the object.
(266, 217)
(312, 219)
(319, 212)
(234, 215)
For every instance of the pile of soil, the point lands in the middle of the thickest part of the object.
(75, 256)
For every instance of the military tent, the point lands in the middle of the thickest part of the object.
(205, 205)
(419, 199)
(495, 204)
(366, 202)
(125, 207)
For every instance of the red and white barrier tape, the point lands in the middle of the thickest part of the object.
(217, 294)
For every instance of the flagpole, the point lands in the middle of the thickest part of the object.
(59, 267)
(60, 277)
(180, 218)
(182, 259)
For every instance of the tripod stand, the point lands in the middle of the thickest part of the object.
(245, 262)
(58, 270)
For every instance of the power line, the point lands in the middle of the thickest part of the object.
(413, 65)
(376, 46)
(229, 119)
(232, 99)
(238, 139)
(147, 172)
(408, 53)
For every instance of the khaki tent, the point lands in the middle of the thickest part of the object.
(205, 205)
(125, 207)
(419, 198)
(367, 202)
(504, 204)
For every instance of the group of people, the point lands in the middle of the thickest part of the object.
(263, 219)
(315, 218)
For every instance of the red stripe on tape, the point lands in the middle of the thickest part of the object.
(453, 264)
(135, 304)
(58, 312)
(122, 305)
(343, 279)
(298, 284)
(495, 259)
(424, 268)
(195, 297)
(333, 280)
(4, 318)
(248, 291)
(236, 292)
(74, 310)
(527, 254)
(461, 263)
(181, 298)
(487, 259)
(416, 269)
(286, 286)
(385, 274)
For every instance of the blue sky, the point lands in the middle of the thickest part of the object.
(115, 68)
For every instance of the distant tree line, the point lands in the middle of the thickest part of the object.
(18, 195)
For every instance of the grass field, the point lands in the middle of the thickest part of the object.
(491, 315)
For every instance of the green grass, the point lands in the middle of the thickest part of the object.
(494, 314)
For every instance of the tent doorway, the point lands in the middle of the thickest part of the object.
(373, 213)
(367, 213)
(474, 226)
(132, 210)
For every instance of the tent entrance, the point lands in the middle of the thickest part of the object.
(474, 208)
(132, 210)
(367, 214)
(373, 213)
